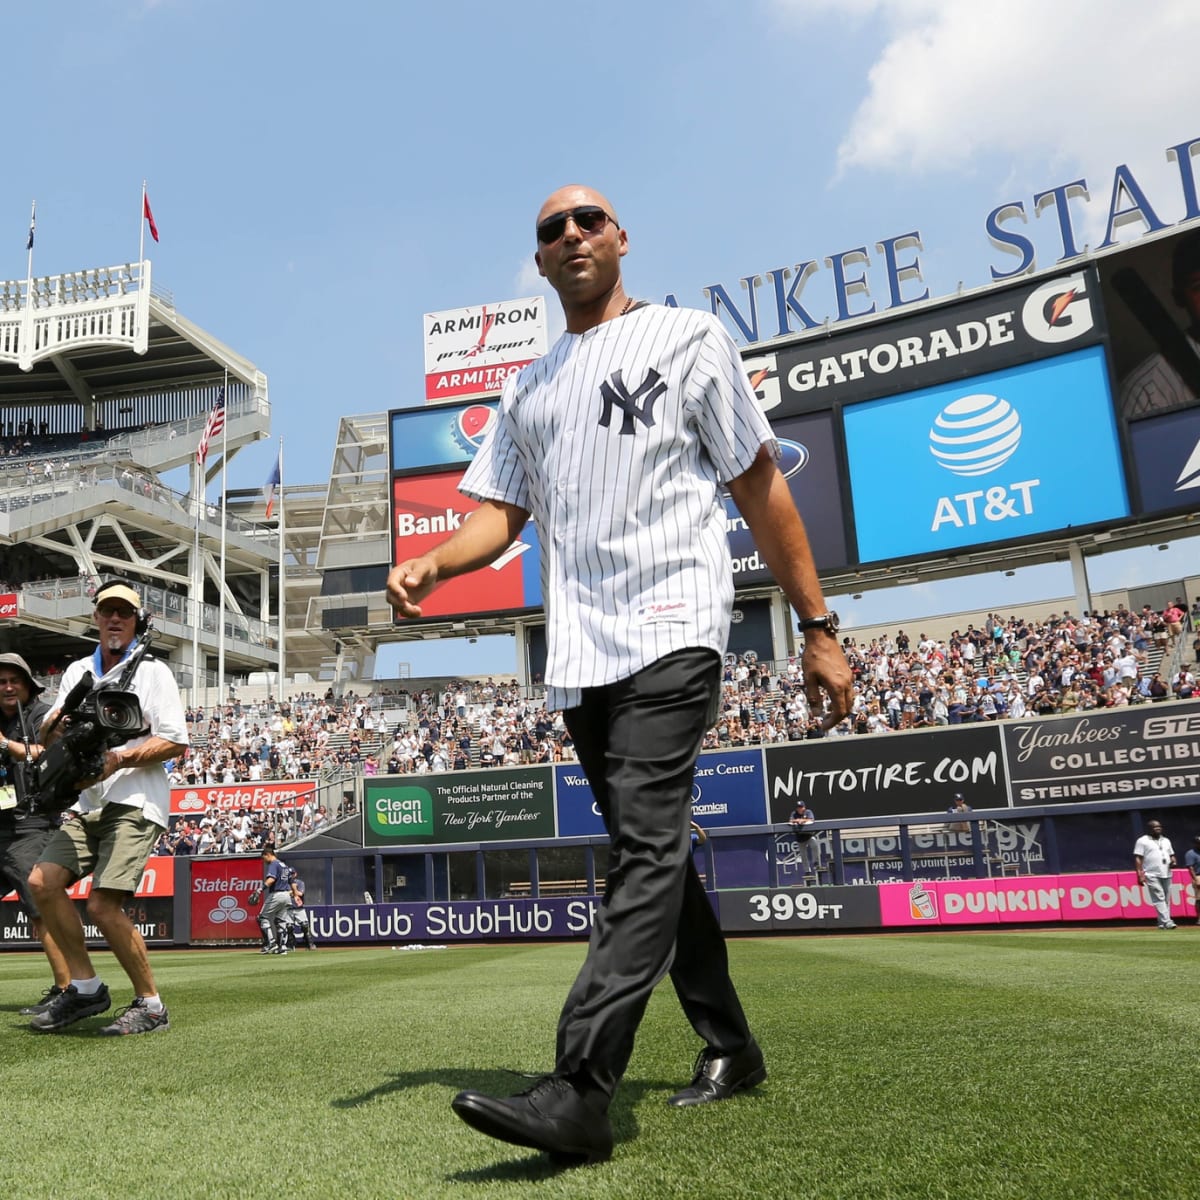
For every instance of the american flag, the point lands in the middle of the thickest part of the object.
(216, 422)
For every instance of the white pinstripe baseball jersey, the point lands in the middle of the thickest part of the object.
(1154, 386)
(617, 442)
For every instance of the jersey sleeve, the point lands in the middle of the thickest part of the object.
(732, 425)
(496, 472)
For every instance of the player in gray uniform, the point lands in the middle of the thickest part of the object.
(618, 443)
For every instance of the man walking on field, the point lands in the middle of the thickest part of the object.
(618, 443)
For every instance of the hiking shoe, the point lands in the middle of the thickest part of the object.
(69, 1006)
(136, 1018)
(44, 1003)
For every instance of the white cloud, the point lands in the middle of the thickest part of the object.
(1071, 82)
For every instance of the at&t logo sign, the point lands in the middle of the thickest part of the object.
(972, 436)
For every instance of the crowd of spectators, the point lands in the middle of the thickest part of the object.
(1008, 668)
(246, 831)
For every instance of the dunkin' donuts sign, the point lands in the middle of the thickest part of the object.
(231, 797)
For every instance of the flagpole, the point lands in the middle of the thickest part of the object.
(224, 524)
(29, 247)
(282, 577)
(197, 577)
(142, 228)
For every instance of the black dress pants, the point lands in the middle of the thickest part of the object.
(638, 740)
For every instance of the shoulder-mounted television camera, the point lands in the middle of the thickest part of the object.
(94, 718)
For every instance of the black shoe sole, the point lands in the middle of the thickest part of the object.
(496, 1124)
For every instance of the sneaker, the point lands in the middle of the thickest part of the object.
(266, 950)
(70, 1006)
(281, 950)
(44, 1003)
(136, 1018)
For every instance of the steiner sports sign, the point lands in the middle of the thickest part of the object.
(1142, 752)
(472, 351)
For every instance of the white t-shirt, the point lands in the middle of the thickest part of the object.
(147, 787)
(1156, 854)
(618, 442)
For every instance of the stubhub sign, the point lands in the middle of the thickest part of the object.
(1021, 451)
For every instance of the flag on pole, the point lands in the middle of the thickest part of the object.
(270, 486)
(147, 214)
(216, 422)
(32, 223)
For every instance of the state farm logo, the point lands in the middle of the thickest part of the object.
(1058, 311)
(191, 801)
(8, 606)
(472, 426)
(975, 434)
(228, 911)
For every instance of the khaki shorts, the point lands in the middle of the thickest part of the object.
(112, 844)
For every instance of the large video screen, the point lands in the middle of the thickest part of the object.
(425, 509)
(1009, 454)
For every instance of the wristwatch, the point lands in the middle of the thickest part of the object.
(826, 621)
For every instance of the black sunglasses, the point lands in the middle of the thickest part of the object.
(588, 218)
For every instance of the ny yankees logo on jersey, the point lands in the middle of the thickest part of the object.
(613, 391)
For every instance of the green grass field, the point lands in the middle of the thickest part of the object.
(1030, 1064)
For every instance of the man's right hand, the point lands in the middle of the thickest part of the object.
(409, 583)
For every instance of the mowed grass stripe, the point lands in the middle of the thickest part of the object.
(1027, 1064)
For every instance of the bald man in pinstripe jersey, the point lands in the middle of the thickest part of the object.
(617, 443)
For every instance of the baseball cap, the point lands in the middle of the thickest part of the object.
(15, 660)
(116, 590)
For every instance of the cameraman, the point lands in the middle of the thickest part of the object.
(23, 833)
(121, 814)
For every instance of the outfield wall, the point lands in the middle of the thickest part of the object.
(521, 852)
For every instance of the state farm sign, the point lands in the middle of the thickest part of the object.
(229, 797)
(8, 604)
(221, 889)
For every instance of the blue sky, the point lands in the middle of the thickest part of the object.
(322, 176)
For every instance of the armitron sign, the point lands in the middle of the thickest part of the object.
(472, 351)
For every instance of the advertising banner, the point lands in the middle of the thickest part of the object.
(458, 920)
(727, 790)
(984, 459)
(471, 351)
(809, 463)
(507, 804)
(445, 436)
(231, 797)
(798, 909)
(1166, 460)
(952, 341)
(1137, 753)
(151, 908)
(887, 774)
(1105, 896)
(425, 508)
(221, 909)
(8, 605)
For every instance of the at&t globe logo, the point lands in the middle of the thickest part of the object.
(974, 435)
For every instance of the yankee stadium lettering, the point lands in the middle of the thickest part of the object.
(613, 391)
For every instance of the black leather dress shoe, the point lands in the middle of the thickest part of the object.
(552, 1116)
(719, 1076)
